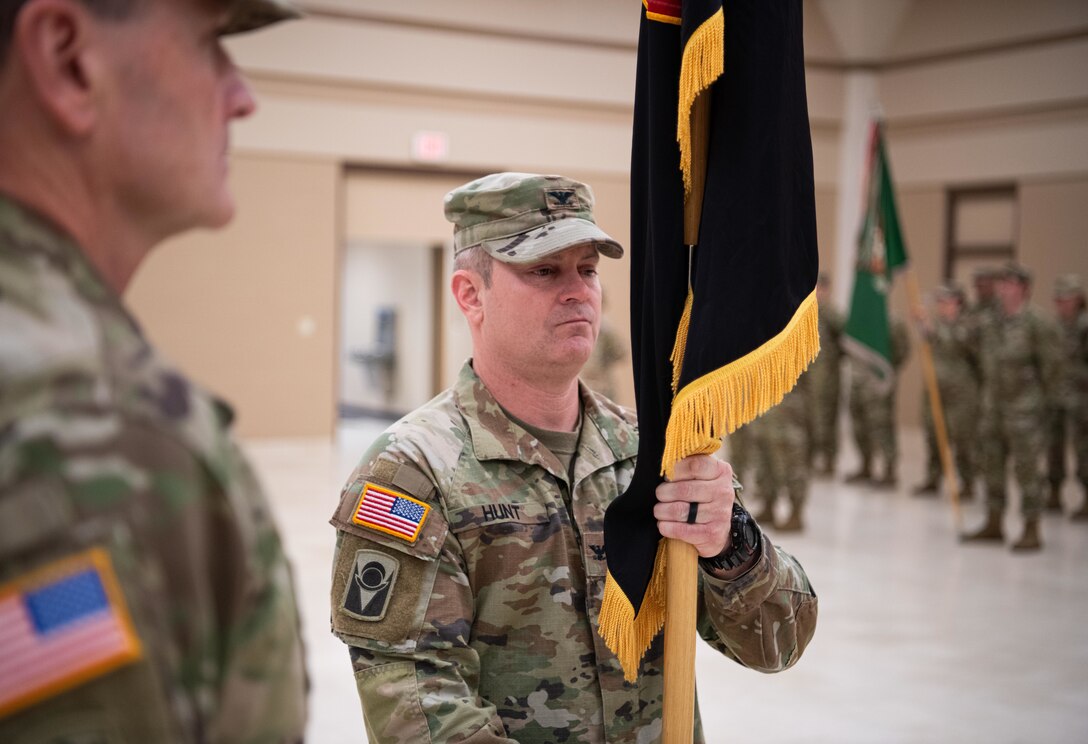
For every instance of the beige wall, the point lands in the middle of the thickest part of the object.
(974, 92)
(250, 312)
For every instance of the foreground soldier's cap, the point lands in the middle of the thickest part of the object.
(249, 15)
(1013, 270)
(1068, 285)
(985, 272)
(523, 217)
(950, 291)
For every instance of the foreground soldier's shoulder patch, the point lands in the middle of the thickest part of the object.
(370, 585)
(60, 626)
(390, 511)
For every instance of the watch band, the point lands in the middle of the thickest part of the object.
(745, 542)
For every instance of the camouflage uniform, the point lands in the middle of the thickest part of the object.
(825, 387)
(1071, 407)
(781, 444)
(487, 630)
(1021, 365)
(108, 452)
(872, 409)
(955, 359)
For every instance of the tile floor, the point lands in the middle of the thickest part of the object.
(920, 640)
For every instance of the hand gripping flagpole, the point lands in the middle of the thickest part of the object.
(681, 558)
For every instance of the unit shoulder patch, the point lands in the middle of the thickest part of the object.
(370, 585)
(391, 512)
(63, 624)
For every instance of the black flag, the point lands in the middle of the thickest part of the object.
(721, 337)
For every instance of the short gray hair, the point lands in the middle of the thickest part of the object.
(475, 259)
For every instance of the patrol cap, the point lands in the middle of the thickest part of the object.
(523, 217)
(950, 291)
(249, 15)
(1068, 285)
(1013, 270)
(985, 272)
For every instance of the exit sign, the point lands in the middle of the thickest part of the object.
(430, 146)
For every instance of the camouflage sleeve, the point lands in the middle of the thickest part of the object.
(405, 609)
(199, 571)
(763, 619)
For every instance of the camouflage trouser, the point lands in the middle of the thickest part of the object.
(1066, 424)
(872, 416)
(961, 425)
(740, 451)
(1020, 437)
(780, 442)
(824, 425)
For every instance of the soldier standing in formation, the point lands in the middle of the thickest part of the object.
(146, 593)
(872, 411)
(781, 443)
(825, 384)
(1021, 367)
(470, 565)
(955, 359)
(1071, 412)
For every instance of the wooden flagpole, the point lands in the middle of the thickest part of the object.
(929, 374)
(681, 558)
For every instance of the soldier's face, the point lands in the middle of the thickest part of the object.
(1068, 306)
(948, 308)
(1012, 293)
(175, 92)
(542, 318)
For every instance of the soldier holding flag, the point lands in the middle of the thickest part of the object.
(470, 565)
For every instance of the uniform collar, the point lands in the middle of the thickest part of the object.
(607, 437)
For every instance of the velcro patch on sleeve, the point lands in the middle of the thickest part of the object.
(370, 587)
(62, 625)
(390, 511)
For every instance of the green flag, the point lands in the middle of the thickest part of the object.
(881, 251)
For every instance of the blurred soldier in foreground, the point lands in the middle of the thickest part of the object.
(1071, 411)
(956, 362)
(781, 444)
(144, 589)
(1021, 364)
(825, 384)
(872, 412)
(470, 563)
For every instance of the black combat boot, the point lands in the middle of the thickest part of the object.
(929, 488)
(862, 476)
(1029, 540)
(991, 531)
(793, 522)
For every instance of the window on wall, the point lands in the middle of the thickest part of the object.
(981, 230)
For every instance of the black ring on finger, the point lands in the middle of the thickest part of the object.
(693, 511)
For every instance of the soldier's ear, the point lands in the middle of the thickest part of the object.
(58, 45)
(467, 287)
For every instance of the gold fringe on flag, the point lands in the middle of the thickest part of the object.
(703, 62)
(719, 402)
(677, 356)
(625, 634)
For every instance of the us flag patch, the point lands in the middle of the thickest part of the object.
(60, 626)
(390, 512)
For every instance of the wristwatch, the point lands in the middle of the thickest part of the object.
(746, 541)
